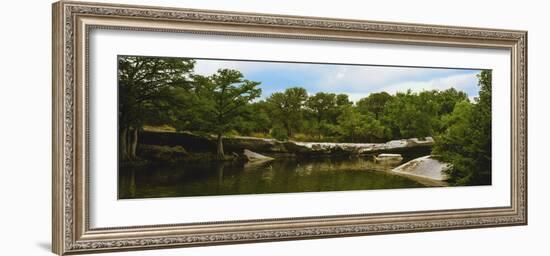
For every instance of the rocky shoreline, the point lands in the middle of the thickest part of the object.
(173, 147)
(272, 147)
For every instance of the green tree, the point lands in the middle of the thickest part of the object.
(447, 99)
(374, 103)
(254, 119)
(321, 105)
(286, 107)
(417, 114)
(356, 127)
(224, 97)
(466, 143)
(410, 115)
(146, 88)
(342, 102)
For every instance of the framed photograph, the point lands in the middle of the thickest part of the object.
(180, 127)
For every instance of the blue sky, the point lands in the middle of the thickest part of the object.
(354, 80)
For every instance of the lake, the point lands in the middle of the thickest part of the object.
(277, 176)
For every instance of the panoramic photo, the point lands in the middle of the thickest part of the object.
(212, 127)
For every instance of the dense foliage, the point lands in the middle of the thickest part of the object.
(333, 117)
(147, 86)
(466, 141)
(165, 92)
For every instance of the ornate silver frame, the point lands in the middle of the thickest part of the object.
(72, 22)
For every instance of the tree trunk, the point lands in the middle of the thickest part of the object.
(288, 130)
(319, 127)
(220, 153)
(133, 144)
(123, 146)
(128, 142)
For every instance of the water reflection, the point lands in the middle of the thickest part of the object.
(275, 176)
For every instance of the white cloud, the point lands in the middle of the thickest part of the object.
(208, 67)
(462, 82)
(356, 81)
(369, 78)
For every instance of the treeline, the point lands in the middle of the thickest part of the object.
(294, 114)
(165, 91)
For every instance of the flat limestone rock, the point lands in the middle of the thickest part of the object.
(194, 142)
(425, 167)
(360, 148)
(253, 156)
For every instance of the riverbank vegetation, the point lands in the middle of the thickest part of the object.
(466, 141)
(166, 94)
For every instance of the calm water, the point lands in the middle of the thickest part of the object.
(277, 176)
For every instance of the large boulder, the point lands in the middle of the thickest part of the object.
(240, 143)
(426, 167)
(253, 156)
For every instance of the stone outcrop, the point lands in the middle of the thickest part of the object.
(163, 153)
(255, 157)
(194, 143)
(425, 168)
(366, 148)
(240, 143)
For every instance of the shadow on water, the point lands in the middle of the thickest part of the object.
(276, 176)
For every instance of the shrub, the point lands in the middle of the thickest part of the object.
(278, 133)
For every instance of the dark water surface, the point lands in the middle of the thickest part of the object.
(277, 176)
